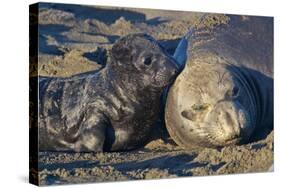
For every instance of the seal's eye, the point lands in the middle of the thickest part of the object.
(232, 93)
(147, 61)
(199, 107)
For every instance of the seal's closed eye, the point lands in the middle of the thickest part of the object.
(232, 93)
(199, 107)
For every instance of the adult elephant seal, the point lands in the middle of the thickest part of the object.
(225, 92)
(112, 109)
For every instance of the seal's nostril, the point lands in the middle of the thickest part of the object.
(188, 115)
(236, 136)
(228, 118)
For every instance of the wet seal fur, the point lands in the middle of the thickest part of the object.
(111, 109)
(225, 93)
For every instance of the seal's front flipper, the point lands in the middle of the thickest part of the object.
(180, 54)
(92, 135)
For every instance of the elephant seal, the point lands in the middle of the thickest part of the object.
(112, 109)
(225, 91)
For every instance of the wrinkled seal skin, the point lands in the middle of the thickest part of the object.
(225, 92)
(111, 109)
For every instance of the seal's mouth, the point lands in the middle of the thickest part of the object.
(177, 67)
(233, 141)
(229, 127)
(213, 136)
(161, 80)
(172, 79)
(164, 80)
(174, 72)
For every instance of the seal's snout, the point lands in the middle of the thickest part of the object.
(231, 121)
(166, 72)
(229, 125)
(173, 67)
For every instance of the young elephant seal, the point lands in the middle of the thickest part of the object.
(225, 92)
(112, 109)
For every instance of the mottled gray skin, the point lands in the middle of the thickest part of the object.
(225, 92)
(111, 109)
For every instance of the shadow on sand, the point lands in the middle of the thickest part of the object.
(103, 14)
(83, 12)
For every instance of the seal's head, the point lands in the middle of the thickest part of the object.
(212, 106)
(139, 59)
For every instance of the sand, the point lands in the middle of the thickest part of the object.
(77, 39)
